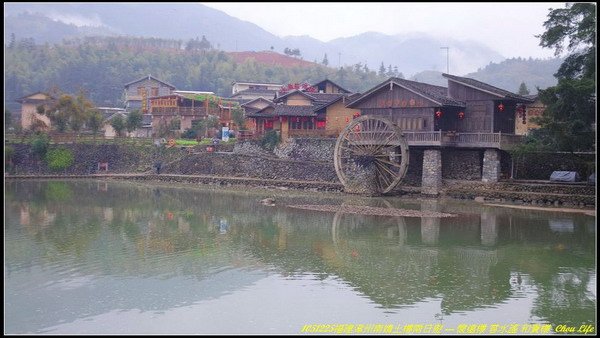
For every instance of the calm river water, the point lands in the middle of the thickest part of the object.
(123, 257)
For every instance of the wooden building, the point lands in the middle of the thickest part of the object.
(138, 93)
(253, 90)
(302, 114)
(329, 87)
(465, 127)
(29, 106)
(468, 113)
(182, 108)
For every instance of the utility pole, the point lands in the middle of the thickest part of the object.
(340, 59)
(447, 59)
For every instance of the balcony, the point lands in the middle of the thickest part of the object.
(197, 111)
(463, 140)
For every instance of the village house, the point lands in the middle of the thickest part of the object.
(523, 121)
(180, 110)
(137, 93)
(29, 110)
(304, 113)
(253, 90)
(466, 127)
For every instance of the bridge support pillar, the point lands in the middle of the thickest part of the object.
(489, 228)
(430, 226)
(491, 166)
(432, 172)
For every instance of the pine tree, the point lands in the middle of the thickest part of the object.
(382, 69)
(523, 89)
(325, 61)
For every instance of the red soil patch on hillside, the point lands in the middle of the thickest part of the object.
(270, 58)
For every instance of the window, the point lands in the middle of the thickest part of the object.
(154, 91)
(141, 90)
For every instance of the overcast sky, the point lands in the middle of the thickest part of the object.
(508, 28)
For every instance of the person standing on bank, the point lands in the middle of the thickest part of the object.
(158, 165)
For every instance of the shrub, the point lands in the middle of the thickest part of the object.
(39, 145)
(270, 140)
(59, 159)
(189, 134)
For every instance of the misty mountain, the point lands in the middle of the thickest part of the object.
(411, 53)
(43, 29)
(506, 75)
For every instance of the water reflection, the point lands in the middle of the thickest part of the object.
(78, 249)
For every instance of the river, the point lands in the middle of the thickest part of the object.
(94, 257)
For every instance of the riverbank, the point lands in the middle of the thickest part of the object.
(454, 190)
(300, 167)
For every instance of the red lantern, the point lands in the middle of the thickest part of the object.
(438, 114)
(500, 107)
(461, 115)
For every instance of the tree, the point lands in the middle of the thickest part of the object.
(237, 114)
(134, 121)
(567, 121)
(59, 113)
(523, 89)
(95, 123)
(390, 72)
(325, 61)
(382, 69)
(80, 113)
(577, 24)
(118, 124)
(204, 43)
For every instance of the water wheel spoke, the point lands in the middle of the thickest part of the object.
(374, 141)
(353, 150)
(398, 165)
(355, 144)
(382, 174)
(388, 170)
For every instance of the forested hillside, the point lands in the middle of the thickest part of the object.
(102, 66)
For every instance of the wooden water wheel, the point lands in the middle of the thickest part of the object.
(372, 151)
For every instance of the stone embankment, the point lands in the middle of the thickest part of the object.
(547, 194)
(299, 164)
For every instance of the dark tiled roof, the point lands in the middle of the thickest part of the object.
(323, 97)
(26, 99)
(251, 110)
(486, 87)
(333, 83)
(148, 78)
(295, 91)
(532, 96)
(433, 93)
(285, 110)
(248, 101)
(263, 92)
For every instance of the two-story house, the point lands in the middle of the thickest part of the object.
(304, 113)
(29, 110)
(138, 93)
(468, 126)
